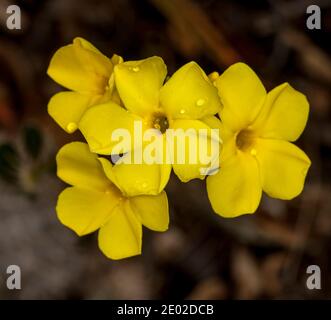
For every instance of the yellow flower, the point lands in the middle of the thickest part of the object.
(82, 68)
(257, 130)
(94, 202)
(182, 102)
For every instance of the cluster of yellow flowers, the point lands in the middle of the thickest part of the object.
(256, 131)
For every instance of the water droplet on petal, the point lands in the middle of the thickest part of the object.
(135, 69)
(71, 127)
(253, 152)
(182, 111)
(200, 102)
(213, 76)
(144, 185)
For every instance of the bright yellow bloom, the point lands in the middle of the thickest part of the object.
(256, 129)
(82, 68)
(94, 202)
(182, 102)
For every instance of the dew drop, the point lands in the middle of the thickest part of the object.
(182, 111)
(253, 152)
(213, 76)
(71, 127)
(200, 102)
(135, 69)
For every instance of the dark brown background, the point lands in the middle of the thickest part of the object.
(202, 255)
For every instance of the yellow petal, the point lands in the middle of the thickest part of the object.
(236, 188)
(77, 166)
(242, 95)
(121, 237)
(283, 168)
(137, 179)
(196, 151)
(153, 211)
(189, 94)
(138, 84)
(85, 211)
(67, 108)
(116, 59)
(81, 42)
(213, 122)
(99, 123)
(227, 137)
(284, 115)
(80, 67)
(111, 93)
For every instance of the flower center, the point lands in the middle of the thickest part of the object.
(160, 122)
(245, 140)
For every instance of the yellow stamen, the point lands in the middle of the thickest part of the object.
(160, 122)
